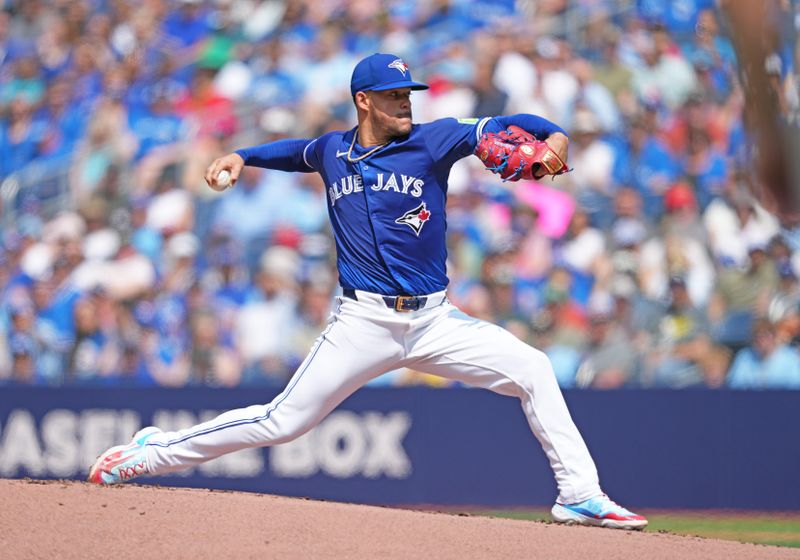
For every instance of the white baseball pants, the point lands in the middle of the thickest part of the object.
(365, 339)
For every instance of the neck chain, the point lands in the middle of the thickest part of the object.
(369, 153)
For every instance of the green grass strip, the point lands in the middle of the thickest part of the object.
(763, 528)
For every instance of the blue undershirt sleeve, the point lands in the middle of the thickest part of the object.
(283, 155)
(540, 127)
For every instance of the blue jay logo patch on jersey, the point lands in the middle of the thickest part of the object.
(415, 218)
(399, 65)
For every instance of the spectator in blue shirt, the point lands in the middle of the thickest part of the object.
(94, 356)
(62, 127)
(646, 164)
(189, 24)
(274, 83)
(20, 135)
(705, 167)
(679, 16)
(22, 343)
(26, 82)
(157, 125)
(766, 364)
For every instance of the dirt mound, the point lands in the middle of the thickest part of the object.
(75, 520)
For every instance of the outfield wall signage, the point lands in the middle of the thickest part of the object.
(672, 449)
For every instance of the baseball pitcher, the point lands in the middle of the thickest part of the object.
(386, 183)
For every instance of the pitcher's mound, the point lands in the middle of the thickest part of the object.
(66, 520)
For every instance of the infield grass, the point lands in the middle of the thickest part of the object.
(781, 529)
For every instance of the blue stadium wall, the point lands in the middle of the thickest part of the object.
(654, 449)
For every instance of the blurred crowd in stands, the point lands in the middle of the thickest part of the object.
(650, 265)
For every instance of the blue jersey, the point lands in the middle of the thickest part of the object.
(388, 209)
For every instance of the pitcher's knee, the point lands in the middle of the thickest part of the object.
(535, 371)
(283, 428)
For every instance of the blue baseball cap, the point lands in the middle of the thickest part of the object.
(379, 72)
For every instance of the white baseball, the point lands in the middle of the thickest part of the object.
(223, 180)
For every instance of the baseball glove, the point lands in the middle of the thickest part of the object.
(515, 154)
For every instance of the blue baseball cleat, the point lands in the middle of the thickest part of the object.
(123, 462)
(600, 511)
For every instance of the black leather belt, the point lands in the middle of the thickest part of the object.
(398, 303)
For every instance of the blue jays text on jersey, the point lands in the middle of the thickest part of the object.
(354, 184)
(388, 209)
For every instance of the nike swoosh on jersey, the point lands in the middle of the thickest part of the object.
(340, 154)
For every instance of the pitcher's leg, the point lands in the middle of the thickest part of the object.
(457, 346)
(337, 366)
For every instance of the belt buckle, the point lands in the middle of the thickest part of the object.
(406, 303)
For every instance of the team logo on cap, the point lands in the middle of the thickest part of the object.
(399, 65)
(415, 218)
